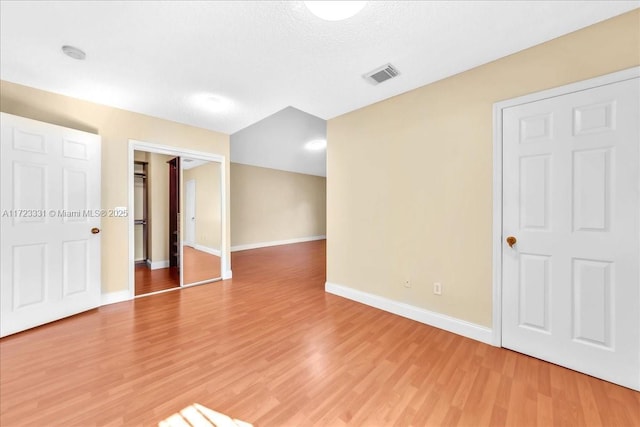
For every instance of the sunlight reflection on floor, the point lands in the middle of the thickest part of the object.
(197, 415)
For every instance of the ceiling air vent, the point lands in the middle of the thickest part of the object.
(381, 74)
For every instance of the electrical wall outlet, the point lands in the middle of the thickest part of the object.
(407, 284)
(437, 288)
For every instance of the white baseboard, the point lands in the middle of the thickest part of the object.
(154, 265)
(206, 249)
(114, 297)
(228, 274)
(276, 243)
(441, 321)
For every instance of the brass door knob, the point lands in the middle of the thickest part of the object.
(511, 241)
(95, 230)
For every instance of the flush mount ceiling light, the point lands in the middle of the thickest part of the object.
(334, 10)
(74, 52)
(316, 145)
(213, 103)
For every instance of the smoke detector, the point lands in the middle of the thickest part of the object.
(381, 74)
(74, 52)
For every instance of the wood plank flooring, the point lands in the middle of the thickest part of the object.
(160, 279)
(270, 347)
(198, 266)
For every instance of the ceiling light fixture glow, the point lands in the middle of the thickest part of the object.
(316, 145)
(213, 103)
(74, 52)
(335, 10)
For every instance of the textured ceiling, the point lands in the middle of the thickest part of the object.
(155, 57)
(158, 57)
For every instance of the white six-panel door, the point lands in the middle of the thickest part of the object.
(571, 200)
(49, 204)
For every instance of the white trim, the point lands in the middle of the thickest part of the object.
(618, 76)
(431, 318)
(225, 261)
(131, 223)
(227, 274)
(202, 282)
(225, 242)
(496, 323)
(206, 249)
(115, 297)
(611, 78)
(158, 292)
(276, 243)
(155, 265)
(174, 151)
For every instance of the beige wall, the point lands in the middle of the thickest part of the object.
(409, 189)
(269, 205)
(116, 127)
(208, 225)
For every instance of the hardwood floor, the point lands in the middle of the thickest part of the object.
(198, 266)
(160, 279)
(270, 347)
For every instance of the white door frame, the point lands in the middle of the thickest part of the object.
(619, 76)
(134, 145)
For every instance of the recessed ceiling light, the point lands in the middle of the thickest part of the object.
(334, 10)
(316, 145)
(74, 52)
